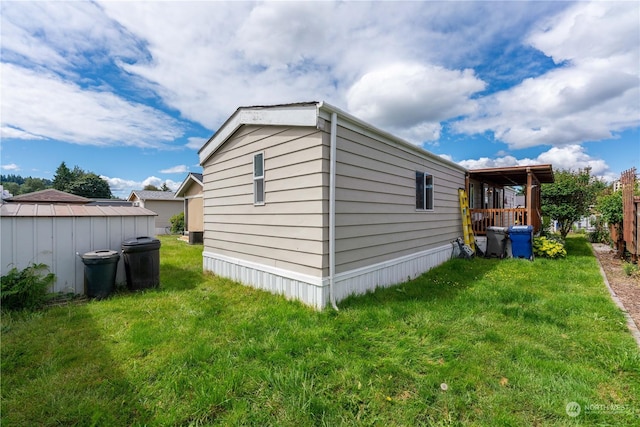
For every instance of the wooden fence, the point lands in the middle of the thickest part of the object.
(630, 206)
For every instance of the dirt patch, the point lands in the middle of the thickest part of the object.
(627, 288)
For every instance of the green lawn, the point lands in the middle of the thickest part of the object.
(514, 341)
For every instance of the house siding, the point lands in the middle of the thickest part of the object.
(289, 231)
(165, 210)
(283, 245)
(376, 217)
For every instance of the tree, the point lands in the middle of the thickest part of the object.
(81, 183)
(11, 187)
(151, 187)
(62, 178)
(32, 184)
(91, 186)
(569, 198)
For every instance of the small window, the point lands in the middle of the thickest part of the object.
(424, 191)
(258, 179)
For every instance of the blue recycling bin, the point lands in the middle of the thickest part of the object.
(521, 241)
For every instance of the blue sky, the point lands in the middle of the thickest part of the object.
(131, 90)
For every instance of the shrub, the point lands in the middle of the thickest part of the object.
(600, 234)
(549, 247)
(26, 289)
(629, 268)
(177, 223)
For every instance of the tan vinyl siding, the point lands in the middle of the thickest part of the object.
(289, 231)
(195, 214)
(376, 217)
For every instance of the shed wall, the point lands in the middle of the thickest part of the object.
(55, 241)
(289, 231)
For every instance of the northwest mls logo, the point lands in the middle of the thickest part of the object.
(573, 409)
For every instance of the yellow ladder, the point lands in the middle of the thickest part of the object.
(467, 230)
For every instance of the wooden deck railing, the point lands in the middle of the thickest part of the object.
(483, 218)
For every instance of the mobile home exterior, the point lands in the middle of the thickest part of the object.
(308, 201)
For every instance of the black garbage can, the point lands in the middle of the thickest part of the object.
(496, 242)
(141, 262)
(100, 269)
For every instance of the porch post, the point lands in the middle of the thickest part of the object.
(529, 199)
(467, 188)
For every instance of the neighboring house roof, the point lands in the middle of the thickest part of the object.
(306, 114)
(49, 195)
(69, 210)
(192, 178)
(153, 195)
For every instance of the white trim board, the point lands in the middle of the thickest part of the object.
(314, 290)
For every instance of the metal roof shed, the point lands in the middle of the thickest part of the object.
(53, 234)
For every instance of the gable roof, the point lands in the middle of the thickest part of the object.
(153, 195)
(306, 114)
(49, 195)
(192, 178)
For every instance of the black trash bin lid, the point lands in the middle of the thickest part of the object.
(140, 241)
(143, 243)
(100, 254)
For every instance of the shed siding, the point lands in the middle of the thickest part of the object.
(55, 241)
(376, 218)
(289, 231)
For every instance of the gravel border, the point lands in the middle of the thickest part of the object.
(633, 328)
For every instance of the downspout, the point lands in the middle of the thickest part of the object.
(332, 209)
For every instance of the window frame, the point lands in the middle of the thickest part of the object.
(425, 192)
(258, 179)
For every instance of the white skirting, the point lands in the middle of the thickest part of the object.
(314, 290)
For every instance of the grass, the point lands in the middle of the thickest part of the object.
(514, 341)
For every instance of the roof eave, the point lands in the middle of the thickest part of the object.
(185, 184)
(301, 114)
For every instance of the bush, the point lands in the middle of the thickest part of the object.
(600, 234)
(549, 247)
(630, 269)
(177, 223)
(26, 289)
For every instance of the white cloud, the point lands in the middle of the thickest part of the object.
(63, 36)
(196, 143)
(591, 97)
(7, 132)
(413, 98)
(176, 169)
(11, 167)
(43, 105)
(569, 157)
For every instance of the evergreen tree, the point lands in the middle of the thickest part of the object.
(62, 178)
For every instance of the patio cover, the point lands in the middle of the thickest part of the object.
(514, 175)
